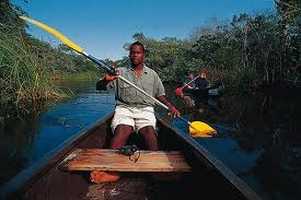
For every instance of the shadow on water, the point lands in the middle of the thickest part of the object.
(25, 141)
(258, 139)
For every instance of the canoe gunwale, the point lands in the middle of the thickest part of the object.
(27, 177)
(212, 162)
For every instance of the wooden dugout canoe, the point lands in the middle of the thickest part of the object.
(206, 178)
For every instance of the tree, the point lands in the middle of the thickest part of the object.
(9, 17)
(289, 11)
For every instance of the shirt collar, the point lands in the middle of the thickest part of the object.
(145, 69)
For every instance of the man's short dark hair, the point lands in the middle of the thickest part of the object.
(138, 44)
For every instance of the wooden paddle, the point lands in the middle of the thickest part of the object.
(196, 128)
(179, 90)
(187, 84)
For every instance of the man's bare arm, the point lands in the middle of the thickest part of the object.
(174, 111)
(102, 83)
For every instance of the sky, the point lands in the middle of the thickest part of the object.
(102, 27)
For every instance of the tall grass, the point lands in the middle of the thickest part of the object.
(29, 67)
(24, 82)
(80, 76)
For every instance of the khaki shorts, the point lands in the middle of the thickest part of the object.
(134, 117)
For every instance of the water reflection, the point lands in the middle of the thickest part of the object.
(25, 141)
(258, 139)
(14, 147)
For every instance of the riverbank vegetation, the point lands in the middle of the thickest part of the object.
(30, 67)
(247, 53)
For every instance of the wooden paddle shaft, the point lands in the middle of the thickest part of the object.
(148, 95)
(103, 65)
(186, 84)
(79, 50)
(143, 92)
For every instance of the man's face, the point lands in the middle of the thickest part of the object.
(136, 55)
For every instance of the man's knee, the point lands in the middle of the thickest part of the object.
(147, 130)
(123, 128)
(150, 138)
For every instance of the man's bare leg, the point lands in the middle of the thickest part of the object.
(121, 135)
(150, 138)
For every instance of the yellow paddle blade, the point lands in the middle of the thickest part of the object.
(55, 33)
(201, 129)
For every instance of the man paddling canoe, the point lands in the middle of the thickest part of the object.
(134, 112)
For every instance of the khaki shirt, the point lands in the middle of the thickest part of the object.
(127, 95)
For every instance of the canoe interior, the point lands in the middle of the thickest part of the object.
(201, 183)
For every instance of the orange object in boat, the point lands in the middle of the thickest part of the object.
(103, 177)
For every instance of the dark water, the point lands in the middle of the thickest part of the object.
(23, 142)
(259, 139)
(258, 136)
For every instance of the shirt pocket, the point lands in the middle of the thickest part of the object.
(126, 90)
(123, 89)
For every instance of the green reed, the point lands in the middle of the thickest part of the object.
(24, 82)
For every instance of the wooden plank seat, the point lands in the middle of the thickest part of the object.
(113, 160)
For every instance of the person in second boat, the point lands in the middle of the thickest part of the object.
(186, 90)
(134, 111)
(202, 83)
